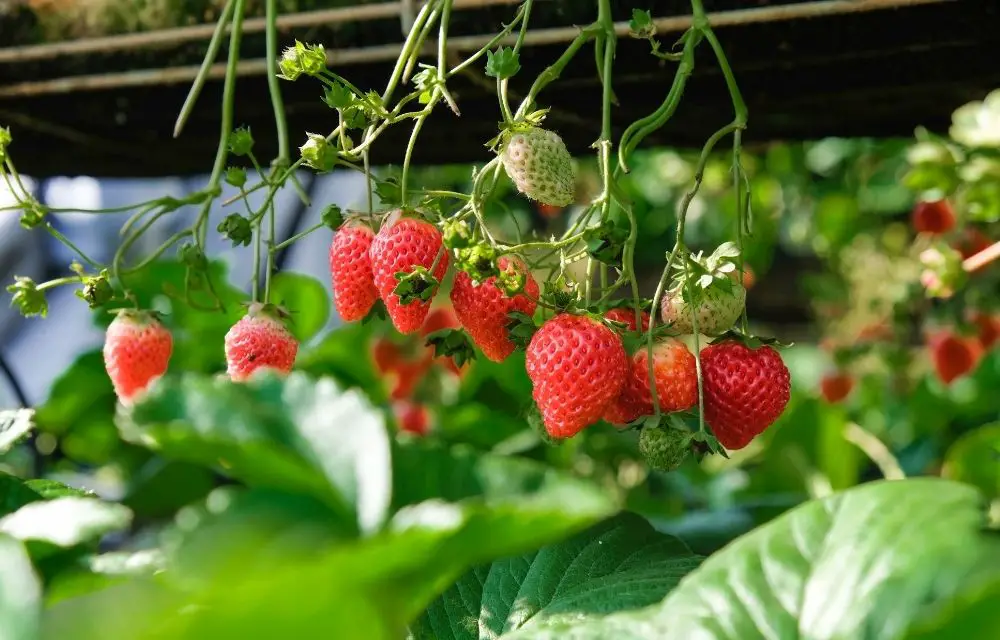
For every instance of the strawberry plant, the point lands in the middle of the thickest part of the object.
(383, 480)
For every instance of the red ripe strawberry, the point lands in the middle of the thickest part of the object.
(402, 244)
(988, 327)
(259, 340)
(953, 355)
(749, 277)
(351, 270)
(411, 417)
(836, 386)
(548, 210)
(408, 376)
(483, 309)
(745, 391)
(676, 383)
(137, 350)
(386, 355)
(627, 316)
(933, 217)
(577, 366)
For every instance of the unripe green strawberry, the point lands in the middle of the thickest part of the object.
(664, 449)
(259, 340)
(719, 309)
(540, 166)
(137, 350)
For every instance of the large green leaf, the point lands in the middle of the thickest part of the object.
(263, 564)
(20, 593)
(66, 521)
(617, 565)
(972, 615)
(14, 425)
(865, 563)
(306, 299)
(293, 434)
(15, 492)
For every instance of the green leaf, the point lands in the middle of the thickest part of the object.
(14, 425)
(860, 564)
(970, 616)
(275, 567)
(293, 434)
(15, 492)
(617, 565)
(65, 522)
(975, 458)
(20, 593)
(305, 299)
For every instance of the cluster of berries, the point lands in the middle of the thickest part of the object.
(577, 361)
(137, 348)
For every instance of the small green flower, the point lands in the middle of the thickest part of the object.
(28, 299)
(97, 289)
(33, 214)
(236, 176)
(299, 59)
(318, 153)
(240, 141)
(236, 228)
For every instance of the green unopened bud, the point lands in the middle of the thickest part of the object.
(97, 289)
(240, 141)
(317, 153)
(192, 256)
(28, 299)
(236, 228)
(332, 216)
(236, 176)
(302, 59)
(33, 214)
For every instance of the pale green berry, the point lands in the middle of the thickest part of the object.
(718, 312)
(540, 166)
(664, 449)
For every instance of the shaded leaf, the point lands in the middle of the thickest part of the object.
(20, 593)
(617, 565)
(293, 434)
(307, 301)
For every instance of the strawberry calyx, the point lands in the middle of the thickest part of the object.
(269, 311)
(750, 341)
(138, 316)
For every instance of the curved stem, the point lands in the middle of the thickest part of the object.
(273, 83)
(206, 65)
(55, 233)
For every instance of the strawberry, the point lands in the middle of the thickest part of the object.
(627, 316)
(749, 277)
(137, 350)
(402, 244)
(988, 328)
(259, 340)
(664, 449)
(835, 386)
(718, 311)
(716, 290)
(745, 390)
(933, 217)
(351, 271)
(577, 366)
(953, 355)
(540, 166)
(411, 417)
(548, 210)
(483, 308)
(407, 377)
(676, 383)
(386, 355)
